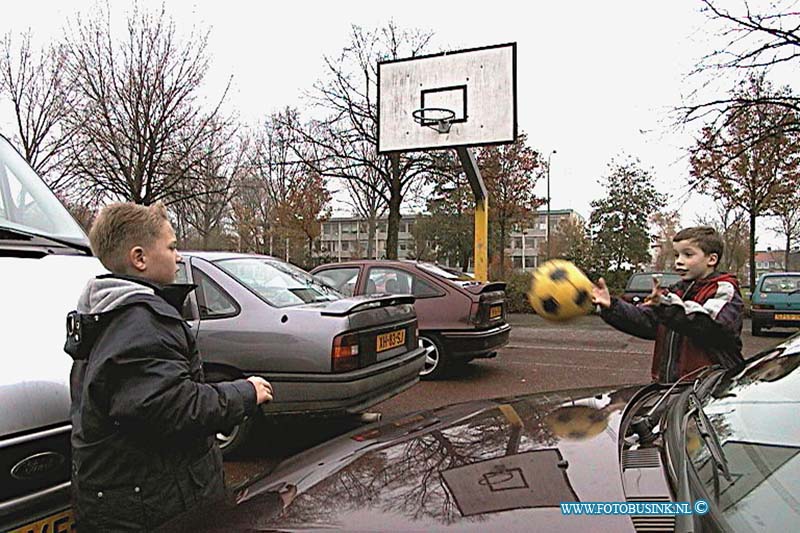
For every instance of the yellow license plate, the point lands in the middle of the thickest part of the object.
(62, 522)
(496, 311)
(784, 316)
(390, 340)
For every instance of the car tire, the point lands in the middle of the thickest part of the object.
(232, 442)
(435, 364)
(755, 328)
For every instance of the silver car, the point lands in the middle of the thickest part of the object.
(323, 353)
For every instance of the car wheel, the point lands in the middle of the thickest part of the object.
(232, 441)
(755, 328)
(435, 360)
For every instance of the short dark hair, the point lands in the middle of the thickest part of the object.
(706, 237)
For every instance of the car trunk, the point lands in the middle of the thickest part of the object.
(489, 308)
(381, 328)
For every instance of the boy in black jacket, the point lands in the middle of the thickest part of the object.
(143, 420)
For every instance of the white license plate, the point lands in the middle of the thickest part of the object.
(393, 339)
(62, 522)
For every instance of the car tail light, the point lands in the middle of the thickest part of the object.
(763, 306)
(344, 355)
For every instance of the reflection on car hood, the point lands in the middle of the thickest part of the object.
(487, 465)
(34, 370)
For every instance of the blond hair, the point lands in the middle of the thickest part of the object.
(120, 227)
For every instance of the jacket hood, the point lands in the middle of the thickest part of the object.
(104, 295)
(714, 277)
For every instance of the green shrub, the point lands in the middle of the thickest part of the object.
(517, 285)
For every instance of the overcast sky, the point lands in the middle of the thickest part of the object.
(595, 79)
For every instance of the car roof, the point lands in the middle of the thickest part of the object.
(373, 262)
(218, 256)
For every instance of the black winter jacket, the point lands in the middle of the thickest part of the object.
(143, 419)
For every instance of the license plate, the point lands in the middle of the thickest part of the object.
(387, 341)
(784, 316)
(496, 311)
(62, 522)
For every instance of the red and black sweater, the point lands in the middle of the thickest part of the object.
(697, 323)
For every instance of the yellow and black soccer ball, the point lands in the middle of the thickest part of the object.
(560, 291)
(576, 422)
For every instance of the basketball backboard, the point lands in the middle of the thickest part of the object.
(453, 99)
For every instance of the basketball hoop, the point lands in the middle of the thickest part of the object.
(438, 118)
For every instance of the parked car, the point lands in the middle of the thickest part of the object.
(776, 301)
(640, 284)
(728, 438)
(45, 262)
(325, 354)
(460, 319)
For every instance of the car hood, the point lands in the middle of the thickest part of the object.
(484, 465)
(34, 370)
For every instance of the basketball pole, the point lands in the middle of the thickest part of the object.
(481, 248)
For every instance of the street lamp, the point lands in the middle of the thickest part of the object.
(547, 230)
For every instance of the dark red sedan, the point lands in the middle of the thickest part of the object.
(460, 319)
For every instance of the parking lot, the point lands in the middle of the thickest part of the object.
(540, 356)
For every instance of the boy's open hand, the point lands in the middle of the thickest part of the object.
(600, 294)
(263, 389)
(654, 298)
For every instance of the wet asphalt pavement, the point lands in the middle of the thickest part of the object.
(540, 356)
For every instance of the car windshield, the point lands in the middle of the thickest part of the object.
(279, 284)
(755, 419)
(28, 205)
(644, 282)
(781, 284)
(446, 273)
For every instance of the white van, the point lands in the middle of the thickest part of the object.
(45, 261)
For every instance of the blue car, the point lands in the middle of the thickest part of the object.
(776, 301)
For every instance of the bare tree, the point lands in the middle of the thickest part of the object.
(138, 124)
(752, 161)
(787, 211)
(212, 183)
(366, 198)
(753, 42)
(41, 93)
(345, 142)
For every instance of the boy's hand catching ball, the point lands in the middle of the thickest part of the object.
(600, 294)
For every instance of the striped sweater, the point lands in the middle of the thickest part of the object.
(697, 323)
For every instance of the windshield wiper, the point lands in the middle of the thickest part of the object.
(709, 436)
(57, 240)
(644, 426)
(685, 523)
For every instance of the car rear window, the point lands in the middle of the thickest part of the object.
(444, 272)
(279, 284)
(341, 279)
(781, 284)
(644, 282)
